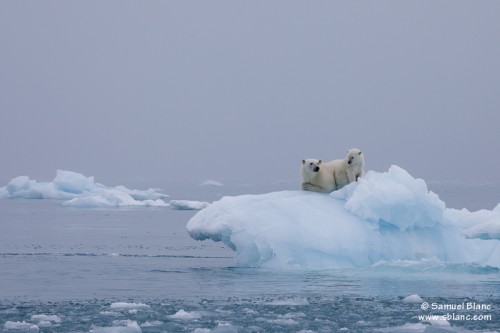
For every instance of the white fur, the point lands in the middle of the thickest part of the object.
(347, 170)
(315, 177)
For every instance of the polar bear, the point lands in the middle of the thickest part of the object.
(315, 177)
(349, 169)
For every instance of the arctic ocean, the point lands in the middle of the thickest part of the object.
(79, 256)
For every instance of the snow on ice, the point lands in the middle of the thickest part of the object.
(384, 217)
(81, 191)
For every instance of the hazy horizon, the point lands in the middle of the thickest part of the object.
(233, 90)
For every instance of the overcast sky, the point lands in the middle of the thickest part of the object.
(244, 90)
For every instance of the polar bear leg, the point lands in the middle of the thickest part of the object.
(351, 176)
(312, 187)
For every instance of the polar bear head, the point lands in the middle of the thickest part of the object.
(311, 164)
(355, 157)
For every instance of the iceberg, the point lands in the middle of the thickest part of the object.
(384, 217)
(211, 182)
(80, 191)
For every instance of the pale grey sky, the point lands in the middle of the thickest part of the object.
(244, 90)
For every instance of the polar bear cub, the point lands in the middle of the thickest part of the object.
(349, 169)
(316, 177)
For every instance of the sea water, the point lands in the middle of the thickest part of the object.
(67, 269)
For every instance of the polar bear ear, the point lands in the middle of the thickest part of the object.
(359, 153)
(319, 162)
(303, 161)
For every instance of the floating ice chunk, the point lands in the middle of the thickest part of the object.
(185, 315)
(110, 313)
(126, 326)
(210, 182)
(20, 325)
(152, 323)
(128, 306)
(406, 328)
(46, 318)
(413, 299)
(112, 198)
(202, 330)
(225, 327)
(439, 322)
(434, 329)
(382, 218)
(188, 205)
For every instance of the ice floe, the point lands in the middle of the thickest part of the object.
(188, 204)
(384, 217)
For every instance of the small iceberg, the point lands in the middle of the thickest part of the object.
(185, 315)
(119, 326)
(80, 191)
(384, 217)
(210, 182)
(188, 204)
(413, 299)
(129, 306)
